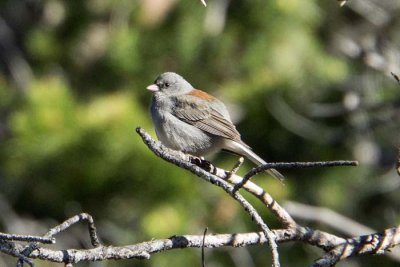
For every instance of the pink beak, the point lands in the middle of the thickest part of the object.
(153, 88)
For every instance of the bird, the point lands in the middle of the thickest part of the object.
(195, 122)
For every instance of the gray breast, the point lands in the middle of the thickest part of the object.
(179, 135)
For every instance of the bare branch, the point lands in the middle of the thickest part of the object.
(334, 220)
(25, 254)
(174, 157)
(398, 161)
(236, 167)
(249, 186)
(363, 245)
(299, 165)
(336, 248)
(292, 165)
(202, 248)
(145, 249)
(27, 238)
(10, 249)
(368, 244)
(326, 241)
(257, 191)
(396, 77)
(77, 218)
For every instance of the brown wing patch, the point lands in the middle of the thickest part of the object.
(202, 115)
(201, 94)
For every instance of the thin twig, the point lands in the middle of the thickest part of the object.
(25, 254)
(75, 219)
(204, 3)
(11, 249)
(202, 248)
(236, 167)
(300, 165)
(398, 161)
(24, 259)
(27, 238)
(293, 165)
(396, 77)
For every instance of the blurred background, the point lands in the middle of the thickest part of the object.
(305, 81)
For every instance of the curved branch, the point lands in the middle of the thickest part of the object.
(377, 243)
(336, 248)
(257, 191)
(175, 157)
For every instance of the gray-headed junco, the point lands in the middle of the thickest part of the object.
(195, 122)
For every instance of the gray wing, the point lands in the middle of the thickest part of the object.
(207, 119)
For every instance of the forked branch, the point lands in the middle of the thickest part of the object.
(335, 248)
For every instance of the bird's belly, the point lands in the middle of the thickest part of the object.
(179, 135)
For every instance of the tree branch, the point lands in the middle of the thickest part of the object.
(367, 244)
(27, 238)
(174, 157)
(73, 220)
(293, 165)
(336, 248)
(377, 244)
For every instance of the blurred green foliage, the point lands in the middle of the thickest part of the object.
(69, 145)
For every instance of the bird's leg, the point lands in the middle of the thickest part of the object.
(202, 163)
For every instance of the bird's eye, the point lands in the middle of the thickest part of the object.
(166, 84)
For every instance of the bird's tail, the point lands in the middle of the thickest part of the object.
(245, 150)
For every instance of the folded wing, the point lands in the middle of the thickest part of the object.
(206, 118)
